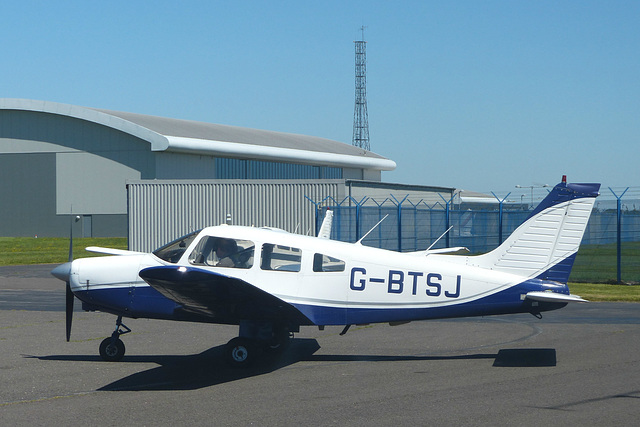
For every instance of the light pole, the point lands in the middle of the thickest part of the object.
(532, 187)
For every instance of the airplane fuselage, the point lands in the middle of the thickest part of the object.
(329, 282)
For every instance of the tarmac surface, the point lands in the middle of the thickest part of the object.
(578, 365)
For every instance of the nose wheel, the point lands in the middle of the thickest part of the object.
(112, 349)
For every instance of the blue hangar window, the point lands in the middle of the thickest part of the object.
(256, 169)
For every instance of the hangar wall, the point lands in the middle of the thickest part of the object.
(161, 211)
(57, 165)
(59, 161)
(29, 194)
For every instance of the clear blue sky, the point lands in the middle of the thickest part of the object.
(479, 95)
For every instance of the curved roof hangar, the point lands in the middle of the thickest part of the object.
(173, 135)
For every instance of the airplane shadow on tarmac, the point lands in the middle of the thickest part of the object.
(208, 369)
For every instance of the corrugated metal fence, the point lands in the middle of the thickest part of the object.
(160, 211)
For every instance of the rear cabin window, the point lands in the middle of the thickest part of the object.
(280, 258)
(223, 252)
(326, 263)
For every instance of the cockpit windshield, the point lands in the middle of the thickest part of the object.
(172, 252)
(223, 252)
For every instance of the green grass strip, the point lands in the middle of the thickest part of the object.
(50, 250)
(603, 292)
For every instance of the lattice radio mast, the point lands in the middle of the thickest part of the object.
(360, 115)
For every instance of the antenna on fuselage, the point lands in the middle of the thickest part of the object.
(359, 242)
(438, 239)
(325, 228)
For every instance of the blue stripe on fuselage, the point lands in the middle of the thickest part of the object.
(133, 301)
(146, 302)
(508, 301)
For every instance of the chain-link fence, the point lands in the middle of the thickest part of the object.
(610, 250)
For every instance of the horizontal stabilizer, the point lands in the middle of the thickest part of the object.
(554, 297)
(457, 249)
(454, 250)
(111, 251)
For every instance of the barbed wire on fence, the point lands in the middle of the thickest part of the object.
(414, 224)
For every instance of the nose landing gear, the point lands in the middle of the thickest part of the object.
(112, 349)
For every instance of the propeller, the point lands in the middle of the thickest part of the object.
(63, 272)
(70, 296)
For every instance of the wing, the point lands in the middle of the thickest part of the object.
(111, 251)
(220, 298)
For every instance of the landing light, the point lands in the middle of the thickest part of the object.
(182, 269)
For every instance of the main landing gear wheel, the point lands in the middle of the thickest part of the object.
(279, 341)
(240, 352)
(112, 351)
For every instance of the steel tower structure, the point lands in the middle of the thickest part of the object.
(360, 115)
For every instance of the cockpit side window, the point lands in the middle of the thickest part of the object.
(172, 251)
(280, 258)
(223, 252)
(325, 263)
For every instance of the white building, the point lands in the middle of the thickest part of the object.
(58, 159)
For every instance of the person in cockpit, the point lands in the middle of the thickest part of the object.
(224, 249)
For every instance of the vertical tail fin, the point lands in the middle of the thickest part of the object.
(545, 245)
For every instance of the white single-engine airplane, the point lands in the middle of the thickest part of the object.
(271, 282)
